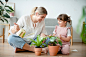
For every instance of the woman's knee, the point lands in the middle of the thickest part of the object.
(10, 38)
(65, 49)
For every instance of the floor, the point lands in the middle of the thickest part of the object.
(77, 50)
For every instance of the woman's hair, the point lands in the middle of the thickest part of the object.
(40, 10)
(64, 17)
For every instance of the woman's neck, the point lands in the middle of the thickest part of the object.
(33, 18)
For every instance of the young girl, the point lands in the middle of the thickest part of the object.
(63, 33)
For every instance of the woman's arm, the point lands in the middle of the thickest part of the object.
(15, 28)
(43, 32)
(18, 25)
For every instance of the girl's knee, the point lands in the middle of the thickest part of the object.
(66, 49)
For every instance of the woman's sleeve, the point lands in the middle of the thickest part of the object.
(43, 30)
(20, 22)
(69, 32)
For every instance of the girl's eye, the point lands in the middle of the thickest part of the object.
(59, 20)
(42, 17)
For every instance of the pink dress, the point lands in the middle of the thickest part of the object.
(65, 48)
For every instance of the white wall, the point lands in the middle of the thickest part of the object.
(54, 7)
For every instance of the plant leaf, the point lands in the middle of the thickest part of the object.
(6, 15)
(38, 36)
(2, 20)
(1, 2)
(60, 43)
(10, 8)
(6, 20)
(33, 41)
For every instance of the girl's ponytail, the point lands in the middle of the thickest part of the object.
(69, 20)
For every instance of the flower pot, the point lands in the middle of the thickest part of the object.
(11, 14)
(38, 51)
(53, 50)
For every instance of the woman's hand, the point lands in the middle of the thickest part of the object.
(43, 35)
(16, 27)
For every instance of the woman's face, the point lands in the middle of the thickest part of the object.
(61, 23)
(40, 17)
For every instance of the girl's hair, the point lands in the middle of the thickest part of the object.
(64, 17)
(40, 10)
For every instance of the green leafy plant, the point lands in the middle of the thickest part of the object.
(81, 18)
(4, 11)
(39, 43)
(83, 32)
(54, 40)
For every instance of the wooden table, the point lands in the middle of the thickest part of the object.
(2, 36)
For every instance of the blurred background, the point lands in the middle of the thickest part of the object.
(54, 7)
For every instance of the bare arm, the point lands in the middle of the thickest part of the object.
(15, 29)
(66, 39)
(53, 34)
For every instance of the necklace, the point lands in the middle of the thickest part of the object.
(34, 24)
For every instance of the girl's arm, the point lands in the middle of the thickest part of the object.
(68, 36)
(65, 39)
(53, 34)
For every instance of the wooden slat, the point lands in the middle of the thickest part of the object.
(71, 36)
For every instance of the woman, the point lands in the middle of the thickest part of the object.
(31, 24)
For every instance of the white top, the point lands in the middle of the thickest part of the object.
(68, 32)
(26, 23)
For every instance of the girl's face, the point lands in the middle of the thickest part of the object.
(40, 17)
(61, 23)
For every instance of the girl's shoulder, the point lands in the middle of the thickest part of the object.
(68, 27)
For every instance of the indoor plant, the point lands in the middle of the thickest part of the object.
(83, 32)
(4, 14)
(53, 48)
(38, 44)
(4, 11)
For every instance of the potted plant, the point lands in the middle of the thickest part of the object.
(4, 11)
(4, 14)
(38, 44)
(82, 18)
(12, 13)
(53, 48)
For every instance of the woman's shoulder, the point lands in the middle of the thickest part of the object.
(25, 17)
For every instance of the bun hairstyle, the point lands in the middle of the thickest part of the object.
(64, 17)
(40, 10)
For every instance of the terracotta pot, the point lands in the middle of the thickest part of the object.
(38, 51)
(11, 14)
(53, 50)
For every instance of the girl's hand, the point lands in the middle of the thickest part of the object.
(50, 35)
(16, 27)
(61, 37)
